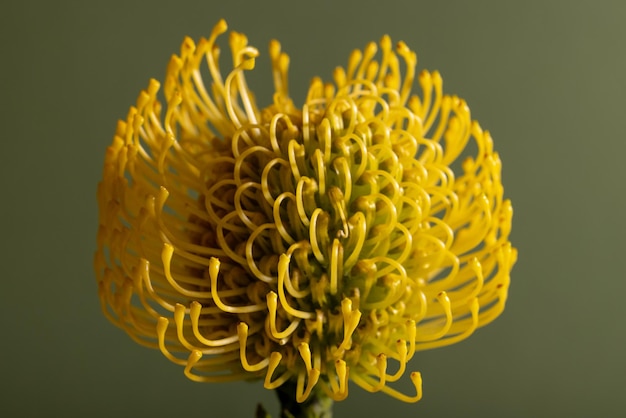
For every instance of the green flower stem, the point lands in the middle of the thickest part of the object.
(318, 405)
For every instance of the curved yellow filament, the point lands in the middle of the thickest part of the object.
(166, 258)
(250, 261)
(194, 313)
(393, 266)
(367, 383)
(242, 335)
(247, 64)
(305, 249)
(320, 171)
(214, 269)
(339, 386)
(300, 197)
(162, 325)
(295, 152)
(306, 124)
(477, 283)
(402, 360)
(283, 270)
(194, 359)
(240, 159)
(241, 50)
(337, 202)
(179, 318)
(381, 364)
(351, 319)
(303, 393)
(276, 211)
(467, 331)
(410, 59)
(358, 231)
(274, 362)
(416, 379)
(325, 139)
(280, 63)
(342, 168)
(411, 334)
(145, 274)
(305, 353)
(272, 306)
(336, 264)
(496, 310)
(265, 181)
(444, 301)
(313, 235)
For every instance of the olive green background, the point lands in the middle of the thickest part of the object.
(545, 77)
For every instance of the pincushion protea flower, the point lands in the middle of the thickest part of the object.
(301, 246)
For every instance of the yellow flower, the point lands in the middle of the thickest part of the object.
(313, 245)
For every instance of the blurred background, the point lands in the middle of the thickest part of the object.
(545, 77)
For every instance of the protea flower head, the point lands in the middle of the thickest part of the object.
(312, 245)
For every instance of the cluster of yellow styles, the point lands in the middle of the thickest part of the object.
(315, 245)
